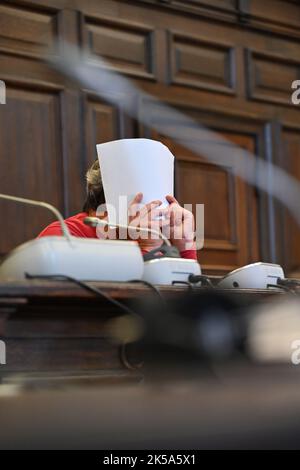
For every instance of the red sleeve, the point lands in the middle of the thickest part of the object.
(54, 229)
(189, 254)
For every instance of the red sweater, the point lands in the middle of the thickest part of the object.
(78, 228)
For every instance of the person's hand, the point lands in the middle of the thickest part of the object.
(182, 226)
(148, 216)
(104, 232)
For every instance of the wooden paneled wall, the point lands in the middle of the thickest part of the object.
(229, 64)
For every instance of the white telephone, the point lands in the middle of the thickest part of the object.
(253, 276)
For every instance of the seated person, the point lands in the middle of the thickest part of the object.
(173, 220)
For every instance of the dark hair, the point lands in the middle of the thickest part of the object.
(94, 188)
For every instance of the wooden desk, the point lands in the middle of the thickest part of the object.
(57, 329)
(245, 408)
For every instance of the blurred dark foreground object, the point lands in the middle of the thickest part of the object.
(241, 408)
(58, 328)
(184, 336)
(224, 401)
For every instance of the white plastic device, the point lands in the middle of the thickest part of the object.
(90, 259)
(86, 259)
(166, 271)
(253, 276)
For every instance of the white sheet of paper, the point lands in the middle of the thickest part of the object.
(131, 166)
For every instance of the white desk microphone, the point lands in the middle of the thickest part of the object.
(165, 270)
(86, 259)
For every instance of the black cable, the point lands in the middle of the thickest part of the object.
(84, 285)
(185, 283)
(288, 282)
(195, 278)
(278, 286)
(166, 250)
(151, 286)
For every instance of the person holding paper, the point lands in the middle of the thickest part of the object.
(172, 220)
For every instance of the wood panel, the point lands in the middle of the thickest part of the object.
(31, 157)
(275, 16)
(102, 125)
(56, 355)
(212, 4)
(25, 29)
(270, 77)
(202, 64)
(129, 48)
(230, 209)
(223, 9)
(281, 15)
(197, 181)
(291, 231)
(104, 122)
(42, 147)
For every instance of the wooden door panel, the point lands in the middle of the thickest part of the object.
(31, 161)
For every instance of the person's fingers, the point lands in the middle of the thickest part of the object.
(134, 206)
(156, 213)
(172, 218)
(137, 199)
(176, 215)
(135, 210)
(188, 225)
(152, 205)
(187, 215)
(150, 219)
(148, 208)
(171, 199)
(178, 212)
(175, 210)
(164, 225)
